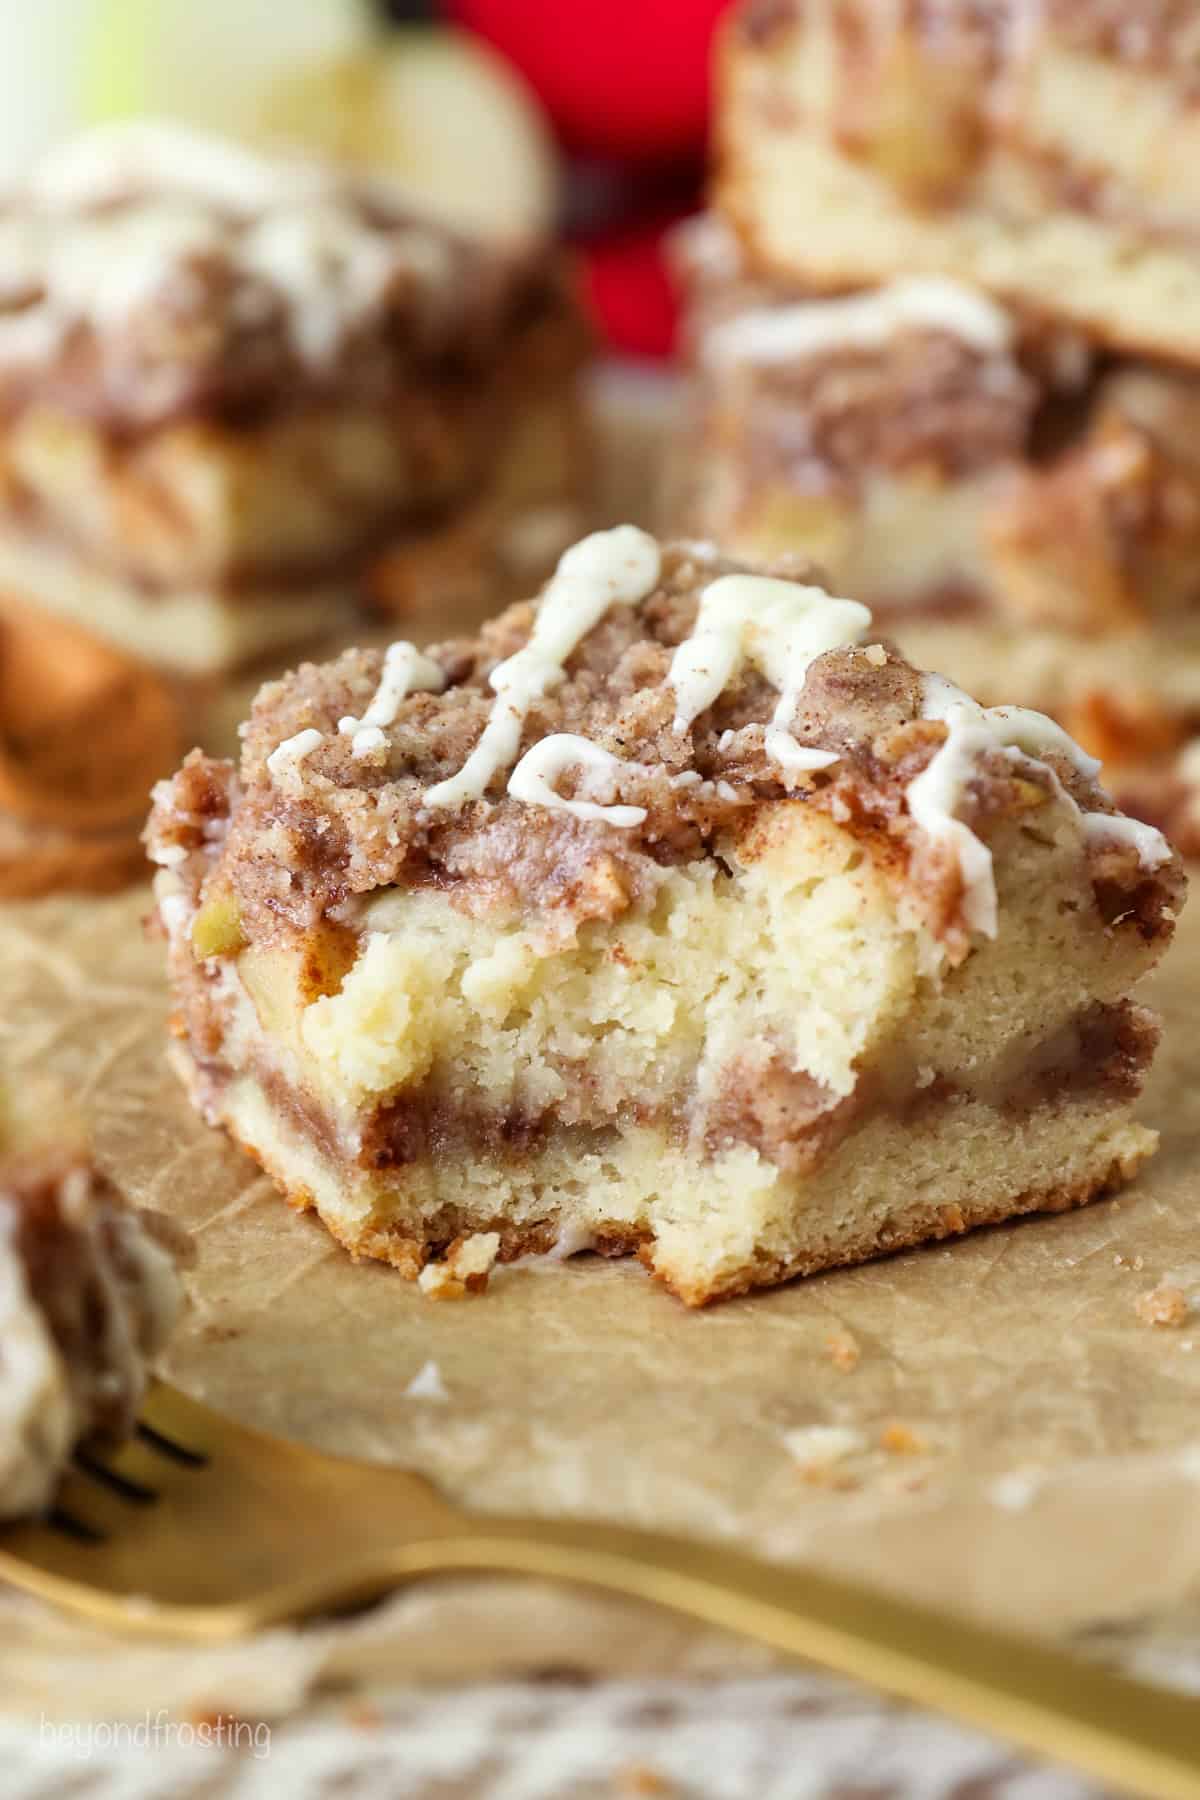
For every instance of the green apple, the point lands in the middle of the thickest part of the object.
(213, 64)
(433, 111)
(441, 115)
(41, 78)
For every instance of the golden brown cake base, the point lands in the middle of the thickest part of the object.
(1094, 1147)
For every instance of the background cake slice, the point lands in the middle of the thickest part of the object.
(1048, 153)
(88, 1297)
(676, 914)
(228, 381)
(1021, 510)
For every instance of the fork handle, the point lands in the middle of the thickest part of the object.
(1143, 1739)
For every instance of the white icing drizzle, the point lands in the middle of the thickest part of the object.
(861, 322)
(286, 758)
(541, 766)
(1152, 847)
(107, 268)
(103, 165)
(618, 567)
(779, 626)
(936, 794)
(106, 225)
(368, 740)
(405, 671)
(331, 271)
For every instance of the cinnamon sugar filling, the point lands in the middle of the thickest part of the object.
(785, 1115)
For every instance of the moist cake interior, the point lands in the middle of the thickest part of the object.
(679, 915)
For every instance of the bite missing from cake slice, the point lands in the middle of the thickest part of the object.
(675, 914)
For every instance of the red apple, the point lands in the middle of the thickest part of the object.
(627, 287)
(619, 78)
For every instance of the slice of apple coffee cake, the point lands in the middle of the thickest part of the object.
(675, 914)
(89, 1294)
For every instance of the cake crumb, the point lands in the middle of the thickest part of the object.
(465, 1269)
(817, 1450)
(876, 655)
(843, 1350)
(640, 1778)
(1016, 1490)
(1163, 1305)
(901, 1440)
(437, 1283)
(427, 1384)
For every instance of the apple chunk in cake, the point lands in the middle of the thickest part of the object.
(675, 914)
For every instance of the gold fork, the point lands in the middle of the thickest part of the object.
(202, 1531)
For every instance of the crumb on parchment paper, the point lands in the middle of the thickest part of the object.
(1016, 1489)
(641, 1779)
(818, 1450)
(427, 1384)
(842, 1348)
(464, 1270)
(899, 1439)
(1164, 1305)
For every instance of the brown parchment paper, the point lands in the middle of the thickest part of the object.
(1059, 1487)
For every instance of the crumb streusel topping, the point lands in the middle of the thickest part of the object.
(147, 271)
(654, 700)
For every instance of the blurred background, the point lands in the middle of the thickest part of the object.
(594, 114)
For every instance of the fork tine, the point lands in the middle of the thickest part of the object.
(236, 1536)
(89, 1511)
(58, 1519)
(91, 1465)
(165, 1446)
(107, 1484)
(169, 1417)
